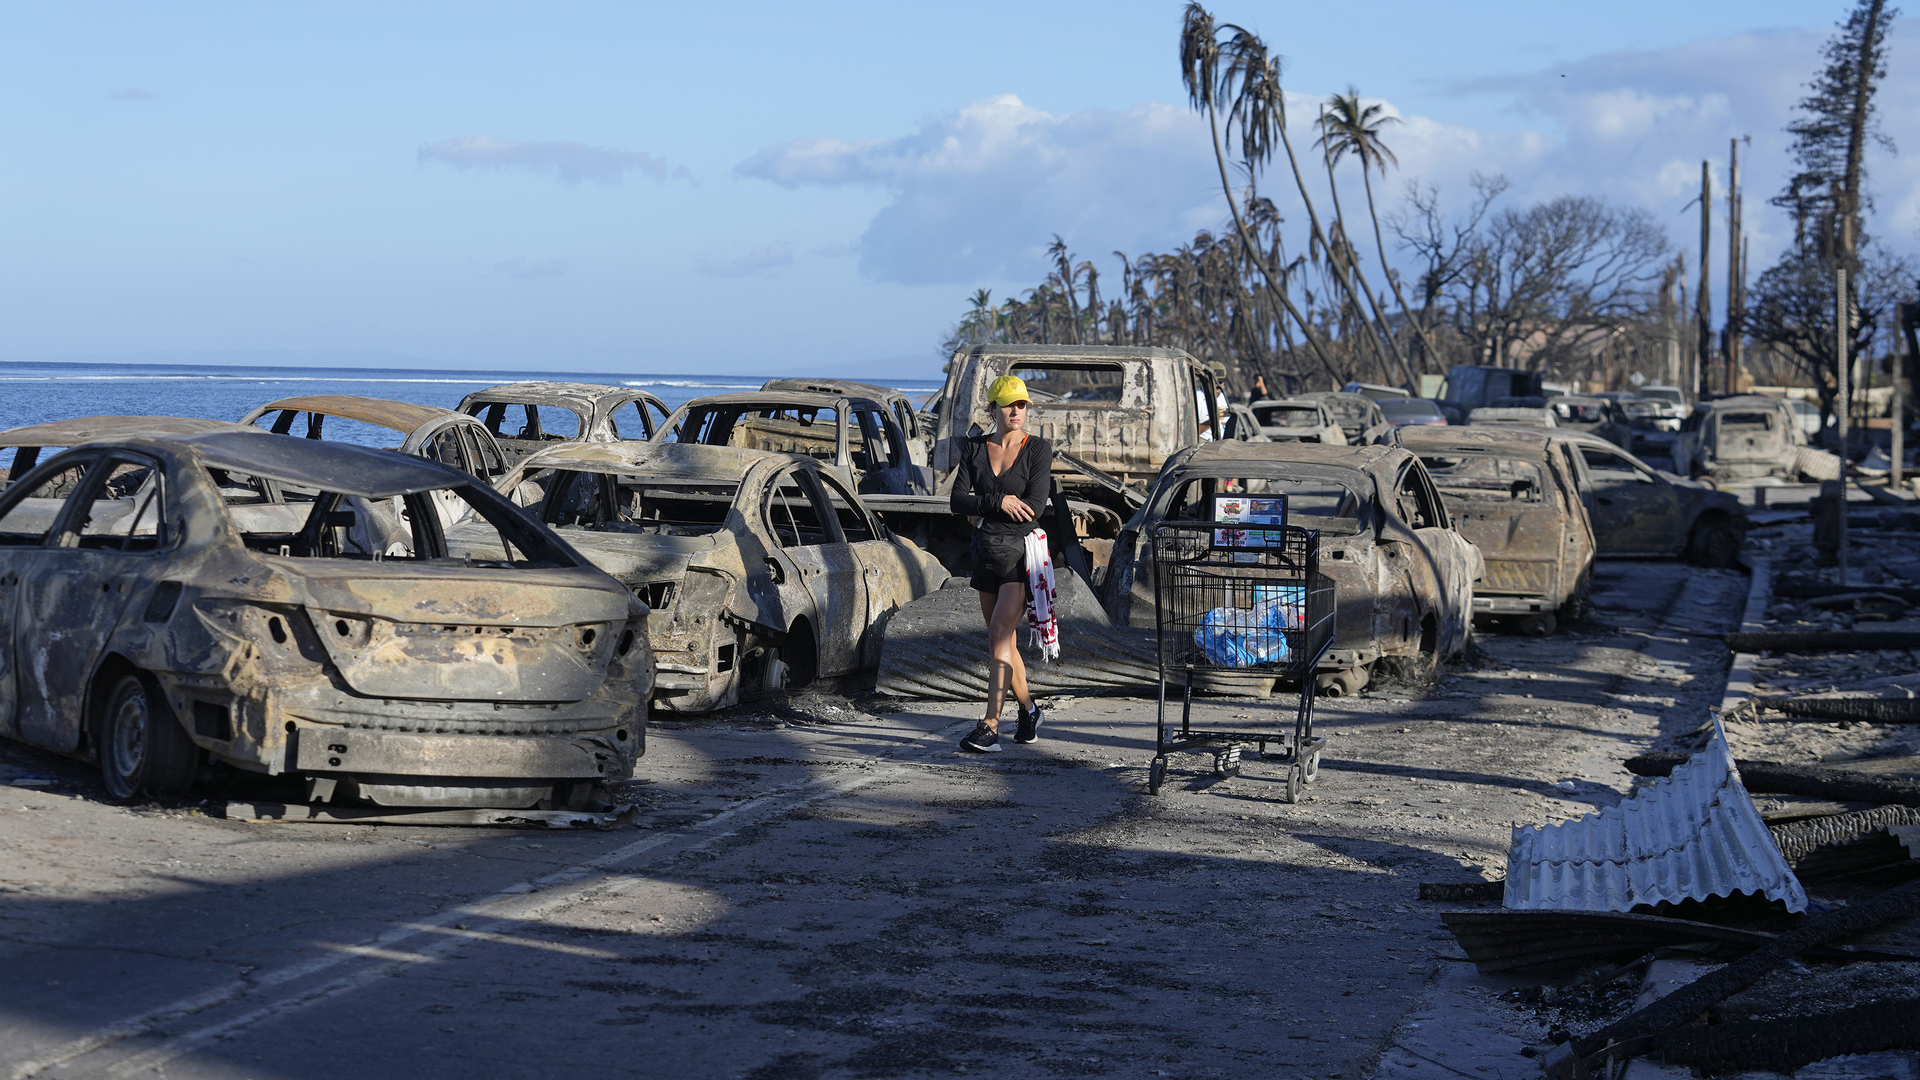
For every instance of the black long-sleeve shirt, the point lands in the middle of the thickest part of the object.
(977, 492)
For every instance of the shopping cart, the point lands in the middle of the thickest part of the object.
(1240, 600)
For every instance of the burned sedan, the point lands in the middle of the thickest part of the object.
(427, 431)
(1516, 494)
(1298, 420)
(30, 444)
(1638, 510)
(171, 603)
(856, 437)
(762, 570)
(1403, 577)
(526, 417)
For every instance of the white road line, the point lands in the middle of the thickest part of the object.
(388, 960)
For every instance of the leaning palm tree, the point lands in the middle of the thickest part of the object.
(1208, 90)
(1345, 258)
(1348, 127)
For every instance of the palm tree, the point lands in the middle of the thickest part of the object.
(1348, 127)
(1345, 258)
(1207, 89)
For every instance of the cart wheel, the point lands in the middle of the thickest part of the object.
(1226, 762)
(1313, 767)
(1156, 775)
(1295, 778)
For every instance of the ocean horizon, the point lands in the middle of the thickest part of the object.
(33, 392)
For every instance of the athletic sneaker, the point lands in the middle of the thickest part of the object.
(1029, 729)
(981, 740)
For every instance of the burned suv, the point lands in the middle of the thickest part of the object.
(281, 606)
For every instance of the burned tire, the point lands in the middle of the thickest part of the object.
(1156, 775)
(1716, 544)
(142, 748)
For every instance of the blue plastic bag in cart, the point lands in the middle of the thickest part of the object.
(1243, 637)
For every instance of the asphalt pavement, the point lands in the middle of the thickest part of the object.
(827, 887)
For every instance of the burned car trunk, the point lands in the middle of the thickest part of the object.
(1403, 577)
(1515, 494)
(762, 570)
(279, 606)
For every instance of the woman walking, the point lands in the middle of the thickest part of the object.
(1002, 488)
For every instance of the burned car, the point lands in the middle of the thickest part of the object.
(1638, 510)
(1403, 577)
(762, 570)
(1516, 494)
(854, 436)
(1358, 415)
(1298, 420)
(213, 600)
(527, 416)
(919, 434)
(442, 435)
(1739, 438)
(1512, 416)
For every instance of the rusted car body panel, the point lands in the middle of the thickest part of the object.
(1639, 511)
(761, 569)
(451, 438)
(1358, 415)
(1515, 493)
(525, 417)
(1739, 438)
(1122, 410)
(237, 592)
(862, 442)
(897, 404)
(1403, 577)
(1299, 420)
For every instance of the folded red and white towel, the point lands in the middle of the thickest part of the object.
(1043, 600)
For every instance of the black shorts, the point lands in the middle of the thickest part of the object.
(998, 559)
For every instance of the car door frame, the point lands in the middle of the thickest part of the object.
(60, 581)
(827, 573)
(20, 562)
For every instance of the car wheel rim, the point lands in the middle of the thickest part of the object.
(129, 737)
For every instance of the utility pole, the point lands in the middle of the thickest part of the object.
(1736, 268)
(1703, 297)
(1841, 332)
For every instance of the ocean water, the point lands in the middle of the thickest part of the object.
(32, 393)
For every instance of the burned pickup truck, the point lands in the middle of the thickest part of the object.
(174, 603)
(762, 570)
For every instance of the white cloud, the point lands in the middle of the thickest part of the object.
(760, 262)
(568, 162)
(528, 269)
(977, 193)
(133, 93)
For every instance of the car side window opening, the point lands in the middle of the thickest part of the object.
(483, 452)
(1094, 383)
(1606, 467)
(118, 508)
(557, 423)
(1415, 499)
(1483, 476)
(444, 447)
(639, 423)
(853, 522)
(32, 512)
(794, 512)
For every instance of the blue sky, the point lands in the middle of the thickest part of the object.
(762, 187)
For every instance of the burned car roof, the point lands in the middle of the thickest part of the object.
(690, 461)
(769, 397)
(401, 416)
(89, 428)
(330, 466)
(537, 392)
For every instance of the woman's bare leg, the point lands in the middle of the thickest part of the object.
(1005, 670)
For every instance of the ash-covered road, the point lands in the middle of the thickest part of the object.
(824, 892)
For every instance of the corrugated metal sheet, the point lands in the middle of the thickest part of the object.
(1687, 836)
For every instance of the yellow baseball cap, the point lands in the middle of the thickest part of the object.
(1008, 389)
